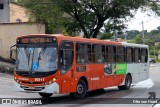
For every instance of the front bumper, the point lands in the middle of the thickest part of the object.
(52, 88)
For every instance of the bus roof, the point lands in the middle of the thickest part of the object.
(134, 45)
(86, 40)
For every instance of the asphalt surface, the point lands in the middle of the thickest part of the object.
(111, 97)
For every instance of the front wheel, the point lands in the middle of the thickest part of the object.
(45, 95)
(128, 81)
(81, 90)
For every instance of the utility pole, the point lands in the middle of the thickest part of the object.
(154, 52)
(125, 34)
(142, 32)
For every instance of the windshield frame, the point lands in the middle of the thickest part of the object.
(37, 46)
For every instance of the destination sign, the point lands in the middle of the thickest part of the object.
(34, 40)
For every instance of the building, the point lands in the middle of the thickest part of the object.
(10, 31)
(14, 23)
(4, 11)
(12, 12)
(17, 13)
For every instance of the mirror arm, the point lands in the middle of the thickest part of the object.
(11, 52)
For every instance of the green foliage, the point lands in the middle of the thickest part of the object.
(132, 33)
(44, 11)
(157, 60)
(130, 41)
(152, 49)
(138, 39)
(104, 36)
(90, 15)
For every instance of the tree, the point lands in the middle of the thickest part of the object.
(45, 11)
(132, 33)
(88, 16)
(138, 39)
(104, 36)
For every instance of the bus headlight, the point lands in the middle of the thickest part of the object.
(54, 79)
(50, 82)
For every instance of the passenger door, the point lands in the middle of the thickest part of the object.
(109, 65)
(144, 66)
(66, 65)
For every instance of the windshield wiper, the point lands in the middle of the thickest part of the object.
(29, 58)
(40, 53)
(28, 55)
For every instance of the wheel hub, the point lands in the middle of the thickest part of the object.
(80, 89)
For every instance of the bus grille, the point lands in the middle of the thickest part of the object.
(32, 82)
(32, 89)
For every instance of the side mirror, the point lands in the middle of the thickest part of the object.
(13, 52)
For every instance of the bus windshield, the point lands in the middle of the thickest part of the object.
(37, 59)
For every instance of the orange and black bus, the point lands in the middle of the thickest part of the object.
(49, 64)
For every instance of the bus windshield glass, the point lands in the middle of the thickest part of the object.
(38, 59)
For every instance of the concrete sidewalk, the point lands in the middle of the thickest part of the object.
(6, 67)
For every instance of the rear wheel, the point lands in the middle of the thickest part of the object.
(128, 81)
(81, 90)
(45, 95)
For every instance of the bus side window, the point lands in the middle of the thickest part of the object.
(136, 53)
(103, 54)
(144, 55)
(97, 53)
(129, 57)
(106, 53)
(111, 53)
(132, 54)
(114, 54)
(83, 53)
(89, 53)
(120, 54)
(140, 59)
(66, 56)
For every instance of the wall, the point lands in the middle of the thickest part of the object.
(4, 13)
(17, 12)
(10, 31)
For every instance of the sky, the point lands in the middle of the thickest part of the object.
(150, 22)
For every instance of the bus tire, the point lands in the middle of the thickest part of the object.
(128, 81)
(45, 95)
(81, 90)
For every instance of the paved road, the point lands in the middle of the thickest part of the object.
(95, 98)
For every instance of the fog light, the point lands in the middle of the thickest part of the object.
(50, 82)
(54, 79)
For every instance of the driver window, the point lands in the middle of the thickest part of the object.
(66, 56)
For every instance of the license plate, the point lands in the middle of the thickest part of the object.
(31, 87)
